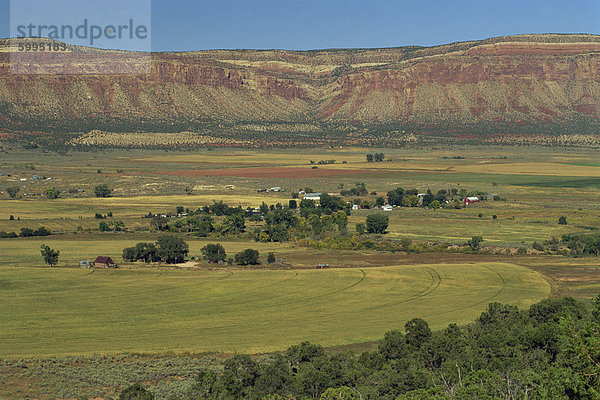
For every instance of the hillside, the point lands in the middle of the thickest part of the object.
(542, 84)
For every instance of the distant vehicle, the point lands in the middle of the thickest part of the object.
(321, 266)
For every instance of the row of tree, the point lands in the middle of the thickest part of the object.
(26, 232)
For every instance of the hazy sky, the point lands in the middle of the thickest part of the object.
(314, 24)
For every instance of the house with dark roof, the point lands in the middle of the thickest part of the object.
(104, 262)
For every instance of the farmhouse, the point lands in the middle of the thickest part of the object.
(104, 262)
(471, 200)
(313, 196)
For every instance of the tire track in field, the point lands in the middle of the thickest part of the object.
(498, 293)
(254, 306)
(436, 281)
(211, 297)
(308, 299)
(229, 275)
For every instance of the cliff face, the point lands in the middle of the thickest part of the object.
(532, 83)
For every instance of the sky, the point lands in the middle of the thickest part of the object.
(178, 25)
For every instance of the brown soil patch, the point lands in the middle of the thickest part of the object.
(268, 172)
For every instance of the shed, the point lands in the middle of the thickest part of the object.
(104, 262)
(85, 264)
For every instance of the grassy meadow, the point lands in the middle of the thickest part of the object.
(71, 311)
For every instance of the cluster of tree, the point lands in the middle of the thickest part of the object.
(168, 248)
(550, 351)
(26, 232)
(100, 216)
(584, 244)
(409, 198)
(115, 225)
(377, 157)
(215, 253)
(322, 162)
(359, 189)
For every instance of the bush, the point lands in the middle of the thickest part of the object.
(52, 193)
(538, 246)
(271, 258)
(12, 191)
(136, 392)
(360, 228)
(562, 220)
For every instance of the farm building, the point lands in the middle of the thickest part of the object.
(313, 196)
(387, 207)
(85, 264)
(471, 200)
(104, 262)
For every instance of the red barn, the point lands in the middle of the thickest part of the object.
(104, 262)
(471, 200)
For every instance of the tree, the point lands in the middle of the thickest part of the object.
(247, 257)
(379, 202)
(293, 204)
(136, 392)
(52, 193)
(12, 191)
(104, 227)
(377, 223)
(234, 224)
(50, 255)
(379, 157)
(102, 190)
(417, 332)
(271, 258)
(395, 196)
(475, 243)
(171, 249)
(369, 157)
(562, 220)
(214, 252)
(393, 345)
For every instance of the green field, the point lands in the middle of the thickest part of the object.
(71, 311)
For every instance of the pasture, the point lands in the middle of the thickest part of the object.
(70, 311)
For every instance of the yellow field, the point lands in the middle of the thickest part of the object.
(71, 311)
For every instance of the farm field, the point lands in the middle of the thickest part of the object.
(557, 182)
(71, 311)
